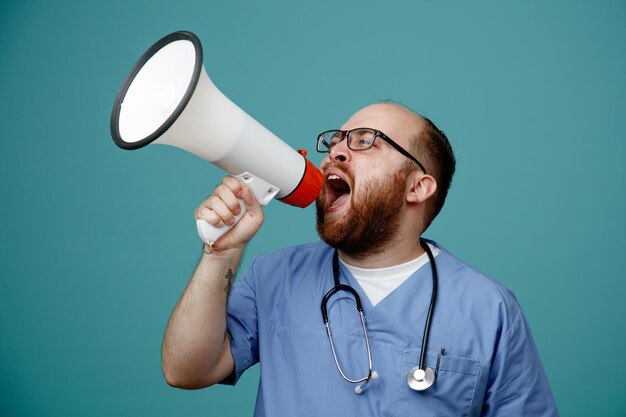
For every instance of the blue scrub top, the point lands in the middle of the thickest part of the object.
(490, 366)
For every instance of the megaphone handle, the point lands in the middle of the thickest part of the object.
(209, 233)
(262, 190)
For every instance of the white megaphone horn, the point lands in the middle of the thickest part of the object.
(169, 99)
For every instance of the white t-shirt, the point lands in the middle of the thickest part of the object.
(380, 282)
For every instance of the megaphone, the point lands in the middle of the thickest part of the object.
(168, 98)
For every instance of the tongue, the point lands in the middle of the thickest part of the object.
(340, 201)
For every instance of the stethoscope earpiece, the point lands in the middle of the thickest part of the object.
(359, 388)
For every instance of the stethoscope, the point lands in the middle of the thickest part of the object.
(419, 378)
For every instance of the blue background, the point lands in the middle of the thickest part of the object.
(97, 243)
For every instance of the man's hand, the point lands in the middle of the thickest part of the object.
(196, 352)
(220, 209)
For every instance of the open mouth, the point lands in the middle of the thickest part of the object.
(338, 191)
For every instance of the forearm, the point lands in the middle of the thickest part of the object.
(194, 342)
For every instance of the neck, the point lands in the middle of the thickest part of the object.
(395, 252)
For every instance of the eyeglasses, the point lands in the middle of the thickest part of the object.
(360, 139)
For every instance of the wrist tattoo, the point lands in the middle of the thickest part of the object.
(229, 280)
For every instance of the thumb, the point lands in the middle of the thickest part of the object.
(252, 205)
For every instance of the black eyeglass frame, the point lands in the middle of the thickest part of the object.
(345, 134)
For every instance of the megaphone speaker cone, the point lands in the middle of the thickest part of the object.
(168, 98)
(157, 90)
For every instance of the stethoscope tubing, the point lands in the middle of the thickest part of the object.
(337, 288)
(342, 287)
(431, 307)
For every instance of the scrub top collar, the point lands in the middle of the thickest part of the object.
(420, 282)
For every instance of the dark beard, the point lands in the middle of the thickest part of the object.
(373, 219)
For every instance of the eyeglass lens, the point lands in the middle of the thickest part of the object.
(358, 139)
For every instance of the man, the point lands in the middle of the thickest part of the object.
(386, 177)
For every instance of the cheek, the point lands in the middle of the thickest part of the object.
(325, 161)
(375, 179)
(367, 172)
(361, 185)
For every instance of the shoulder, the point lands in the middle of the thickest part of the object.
(481, 295)
(305, 249)
(292, 262)
(292, 256)
(288, 279)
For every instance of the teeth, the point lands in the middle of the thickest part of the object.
(333, 177)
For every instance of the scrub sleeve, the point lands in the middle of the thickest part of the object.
(242, 324)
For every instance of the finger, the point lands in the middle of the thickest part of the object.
(252, 205)
(226, 194)
(222, 210)
(205, 213)
(234, 184)
(214, 210)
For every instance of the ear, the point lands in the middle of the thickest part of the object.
(421, 187)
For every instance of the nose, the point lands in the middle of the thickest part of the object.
(340, 152)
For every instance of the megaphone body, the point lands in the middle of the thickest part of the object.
(169, 99)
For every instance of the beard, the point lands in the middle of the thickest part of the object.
(373, 218)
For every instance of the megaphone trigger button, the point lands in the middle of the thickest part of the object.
(302, 152)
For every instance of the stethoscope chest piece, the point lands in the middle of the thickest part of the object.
(420, 379)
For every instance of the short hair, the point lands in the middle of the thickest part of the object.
(432, 148)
